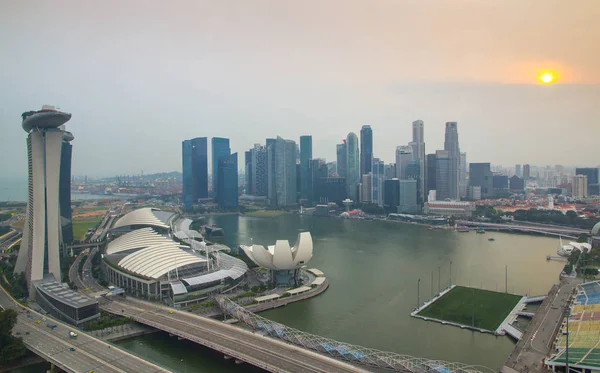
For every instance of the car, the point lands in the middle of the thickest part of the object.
(171, 312)
(71, 349)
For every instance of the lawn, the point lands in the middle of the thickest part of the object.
(81, 225)
(460, 304)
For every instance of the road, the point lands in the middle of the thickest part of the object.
(530, 352)
(261, 351)
(554, 229)
(83, 354)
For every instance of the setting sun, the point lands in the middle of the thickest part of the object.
(547, 78)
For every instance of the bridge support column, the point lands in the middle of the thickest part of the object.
(53, 369)
(238, 361)
(226, 357)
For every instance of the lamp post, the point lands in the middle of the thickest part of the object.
(439, 279)
(418, 293)
(450, 283)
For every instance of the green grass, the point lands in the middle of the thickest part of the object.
(81, 225)
(459, 304)
(82, 210)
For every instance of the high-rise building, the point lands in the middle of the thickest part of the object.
(39, 255)
(419, 155)
(66, 216)
(342, 163)
(331, 169)
(404, 156)
(283, 156)
(248, 171)
(330, 189)
(259, 170)
(366, 191)
(500, 184)
(220, 149)
(526, 173)
(580, 186)
(227, 170)
(591, 173)
(391, 195)
(480, 174)
(452, 147)
(195, 170)
(377, 181)
(366, 149)
(305, 157)
(463, 175)
(408, 203)
(442, 177)
(352, 166)
(517, 184)
(431, 167)
(317, 171)
(389, 171)
(413, 172)
(518, 170)
(271, 189)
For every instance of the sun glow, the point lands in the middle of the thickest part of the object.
(547, 78)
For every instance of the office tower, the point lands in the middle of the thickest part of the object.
(407, 203)
(431, 167)
(404, 155)
(419, 155)
(330, 189)
(342, 163)
(220, 149)
(271, 187)
(377, 181)
(517, 184)
(389, 171)
(305, 157)
(366, 149)
(526, 173)
(391, 195)
(463, 175)
(331, 169)
(500, 185)
(195, 170)
(259, 170)
(317, 171)
(442, 174)
(65, 188)
(591, 173)
(580, 186)
(39, 255)
(474, 192)
(248, 171)
(227, 170)
(352, 166)
(518, 170)
(413, 172)
(480, 174)
(282, 174)
(366, 191)
(452, 147)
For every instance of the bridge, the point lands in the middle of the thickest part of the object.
(534, 299)
(551, 230)
(74, 355)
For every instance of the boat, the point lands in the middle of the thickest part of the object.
(491, 239)
(462, 229)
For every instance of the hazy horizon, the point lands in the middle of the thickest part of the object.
(141, 77)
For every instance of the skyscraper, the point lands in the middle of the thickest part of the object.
(442, 169)
(391, 198)
(39, 255)
(419, 155)
(341, 159)
(220, 149)
(526, 173)
(352, 166)
(408, 197)
(518, 171)
(377, 181)
(591, 173)
(580, 186)
(195, 170)
(431, 167)
(404, 156)
(463, 175)
(65, 188)
(283, 155)
(480, 174)
(227, 194)
(366, 149)
(259, 170)
(317, 171)
(305, 157)
(366, 191)
(453, 149)
(248, 171)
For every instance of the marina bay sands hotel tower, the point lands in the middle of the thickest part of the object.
(48, 217)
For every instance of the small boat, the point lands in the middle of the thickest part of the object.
(491, 239)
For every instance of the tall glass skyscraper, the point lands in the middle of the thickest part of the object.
(366, 149)
(305, 157)
(404, 156)
(65, 189)
(442, 168)
(220, 149)
(195, 170)
(341, 163)
(352, 166)
(463, 175)
(248, 171)
(452, 147)
(39, 255)
(227, 194)
(418, 144)
(281, 160)
(377, 182)
(259, 170)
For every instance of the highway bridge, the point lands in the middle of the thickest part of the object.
(74, 355)
(551, 230)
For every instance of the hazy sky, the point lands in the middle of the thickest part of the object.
(140, 76)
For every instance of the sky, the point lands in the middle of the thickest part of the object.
(141, 76)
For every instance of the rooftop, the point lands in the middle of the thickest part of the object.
(145, 216)
(62, 293)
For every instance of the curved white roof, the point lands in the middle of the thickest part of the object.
(144, 216)
(596, 230)
(155, 255)
(229, 267)
(282, 256)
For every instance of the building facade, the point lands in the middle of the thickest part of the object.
(591, 173)
(377, 181)
(366, 189)
(341, 163)
(463, 183)
(64, 187)
(305, 157)
(195, 170)
(408, 202)
(517, 184)
(284, 172)
(259, 171)
(480, 174)
(227, 194)
(418, 142)
(391, 199)
(330, 189)
(220, 150)
(431, 167)
(404, 156)
(452, 147)
(352, 166)
(580, 186)
(442, 169)
(366, 149)
(248, 171)
(526, 173)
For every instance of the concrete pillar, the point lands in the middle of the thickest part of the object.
(53, 369)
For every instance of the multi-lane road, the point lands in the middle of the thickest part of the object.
(256, 349)
(78, 355)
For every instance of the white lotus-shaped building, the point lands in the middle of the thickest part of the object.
(282, 256)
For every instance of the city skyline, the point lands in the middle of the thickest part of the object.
(162, 91)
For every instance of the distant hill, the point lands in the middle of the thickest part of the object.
(150, 177)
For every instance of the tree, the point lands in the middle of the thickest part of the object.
(11, 348)
(583, 238)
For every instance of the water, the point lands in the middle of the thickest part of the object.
(16, 190)
(373, 268)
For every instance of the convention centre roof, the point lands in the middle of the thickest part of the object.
(145, 216)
